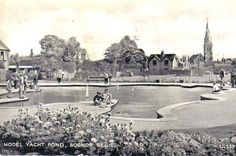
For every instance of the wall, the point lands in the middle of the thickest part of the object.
(2, 75)
(154, 69)
(172, 78)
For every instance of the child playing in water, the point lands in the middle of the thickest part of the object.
(215, 88)
(107, 97)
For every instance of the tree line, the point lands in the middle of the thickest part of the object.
(57, 53)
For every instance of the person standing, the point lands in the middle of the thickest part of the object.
(222, 74)
(35, 81)
(21, 87)
(110, 77)
(106, 77)
(16, 80)
(233, 77)
(9, 87)
(25, 83)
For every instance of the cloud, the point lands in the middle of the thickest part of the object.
(175, 26)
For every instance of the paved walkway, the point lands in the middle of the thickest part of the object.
(198, 114)
(201, 114)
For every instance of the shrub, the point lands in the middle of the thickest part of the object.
(94, 135)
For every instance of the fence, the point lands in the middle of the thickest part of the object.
(171, 78)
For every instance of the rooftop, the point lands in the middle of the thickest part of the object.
(3, 46)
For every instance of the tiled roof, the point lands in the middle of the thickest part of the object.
(161, 57)
(3, 46)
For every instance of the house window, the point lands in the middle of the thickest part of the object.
(166, 62)
(154, 62)
(2, 55)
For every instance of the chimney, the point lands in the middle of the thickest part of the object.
(31, 52)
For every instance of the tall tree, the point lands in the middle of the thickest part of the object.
(126, 54)
(59, 54)
(51, 45)
(71, 49)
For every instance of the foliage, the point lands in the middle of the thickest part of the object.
(95, 67)
(59, 54)
(117, 50)
(52, 46)
(14, 59)
(94, 135)
(126, 54)
(71, 48)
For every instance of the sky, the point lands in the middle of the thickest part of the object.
(175, 26)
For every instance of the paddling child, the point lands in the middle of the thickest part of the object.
(107, 97)
(215, 88)
(98, 99)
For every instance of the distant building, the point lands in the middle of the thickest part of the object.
(34, 60)
(27, 69)
(208, 55)
(162, 63)
(196, 60)
(4, 60)
(4, 56)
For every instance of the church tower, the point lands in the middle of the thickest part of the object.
(208, 57)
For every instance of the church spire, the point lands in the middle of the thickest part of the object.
(208, 55)
(207, 33)
(207, 24)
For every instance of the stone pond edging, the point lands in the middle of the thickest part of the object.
(165, 113)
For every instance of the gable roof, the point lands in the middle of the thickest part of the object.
(3, 46)
(161, 57)
(157, 56)
(170, 56)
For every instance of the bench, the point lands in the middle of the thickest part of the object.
(95, 78)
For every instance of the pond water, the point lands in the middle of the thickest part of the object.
(135, 101)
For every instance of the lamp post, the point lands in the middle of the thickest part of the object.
(77, 65)
(115, 66)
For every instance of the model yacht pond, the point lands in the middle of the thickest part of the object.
(134, 101)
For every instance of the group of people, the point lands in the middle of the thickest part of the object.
(102, 98)
(20, 81)
(218, 87)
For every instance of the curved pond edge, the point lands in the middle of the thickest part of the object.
(164, 114)
(70, 84)
(184, 85)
